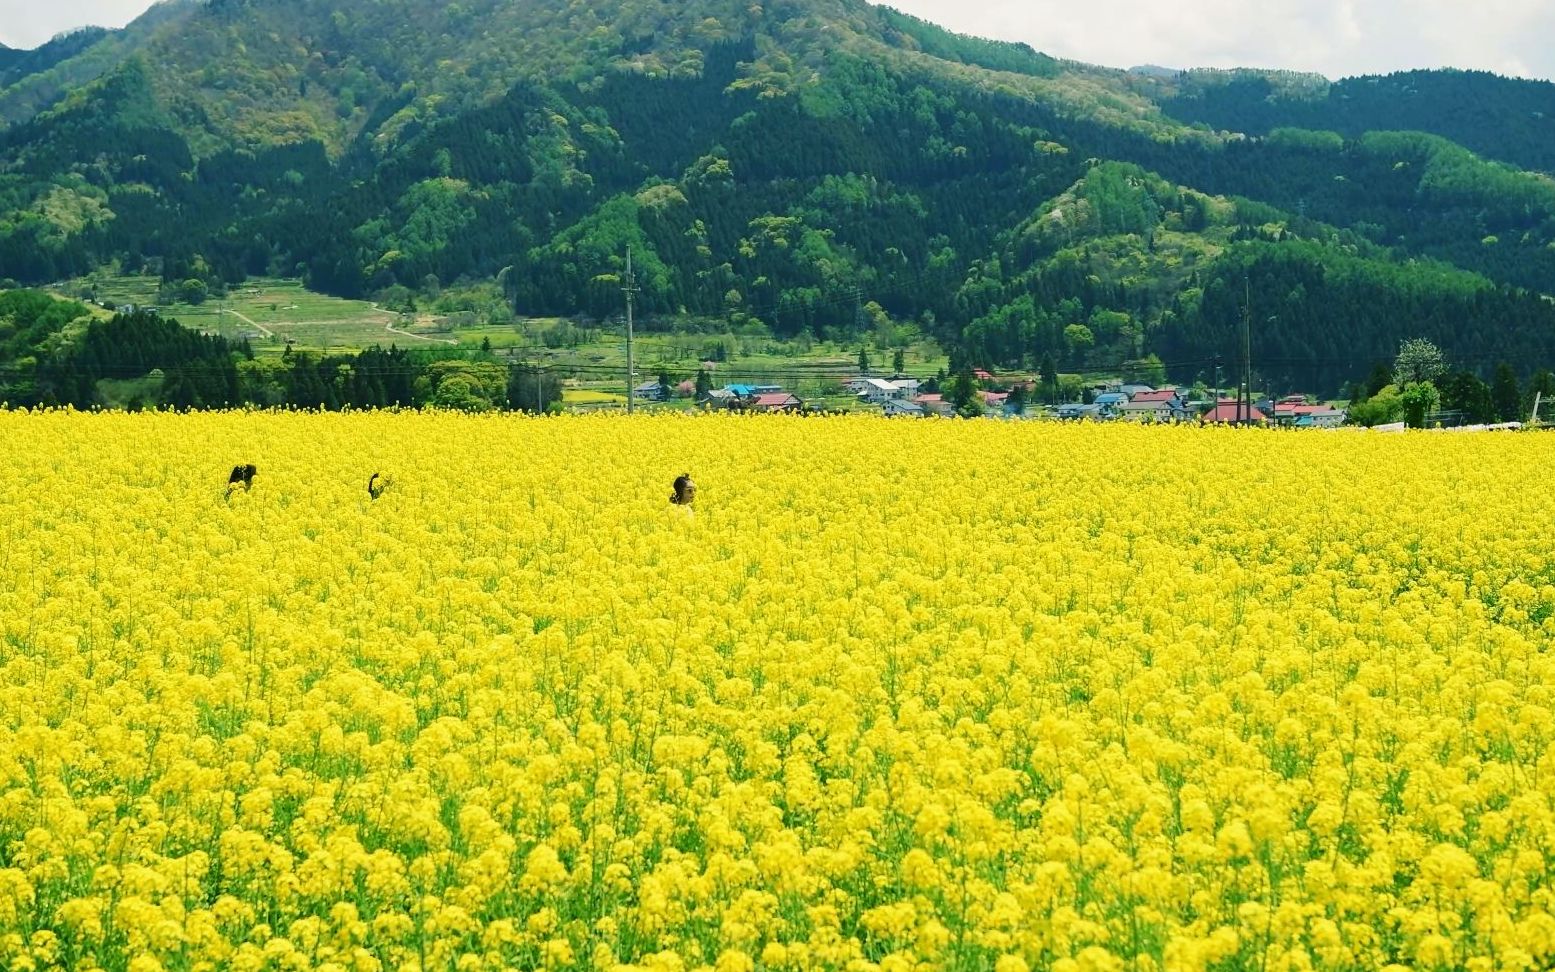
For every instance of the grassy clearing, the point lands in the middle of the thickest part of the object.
(271, 312)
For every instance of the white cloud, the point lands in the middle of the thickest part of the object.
(1333, 37)
(28, 23)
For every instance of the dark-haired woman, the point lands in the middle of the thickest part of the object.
(685, 491)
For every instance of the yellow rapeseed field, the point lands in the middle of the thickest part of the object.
(898, 695)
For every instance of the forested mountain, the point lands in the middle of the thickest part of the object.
(1507, 119)
(780, 164)
(16, 65)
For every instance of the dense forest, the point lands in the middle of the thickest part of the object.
(779, 167)
(1500, 118)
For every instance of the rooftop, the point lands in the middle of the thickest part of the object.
(1230, 413)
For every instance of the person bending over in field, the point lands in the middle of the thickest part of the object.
(685, 491)
(376, 484)
(242, 477)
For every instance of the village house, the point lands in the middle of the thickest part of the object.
(908, 386)
(878, 390)
(650, 391)
(1297, 412)
(779, 401)
(719, 399)
(1148, 411)
(1229, 412)
(896, 407)
(1156, 405)
(934, 404)
(1074, 411)
(1322, 417)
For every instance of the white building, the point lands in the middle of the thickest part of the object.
(879, 390)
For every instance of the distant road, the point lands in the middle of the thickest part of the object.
(247, 320)
(389, 326)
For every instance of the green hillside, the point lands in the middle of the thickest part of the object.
(776, 166)
(1507, 119)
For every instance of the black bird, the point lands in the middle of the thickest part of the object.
(376, 484)
(242, 476)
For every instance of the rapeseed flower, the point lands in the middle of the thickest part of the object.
(992, 696)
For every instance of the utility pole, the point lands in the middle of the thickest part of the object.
(1244, 394)
(630, 288)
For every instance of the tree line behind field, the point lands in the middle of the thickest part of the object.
(53, 353)
(1421, 387)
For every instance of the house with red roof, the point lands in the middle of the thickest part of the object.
(1296, 411)
(934, 404)
(1230, 412)
(777, 402)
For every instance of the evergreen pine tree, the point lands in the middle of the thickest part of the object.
(1049, 380)
(1508, 397)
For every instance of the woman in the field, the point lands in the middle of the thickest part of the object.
(685, 492)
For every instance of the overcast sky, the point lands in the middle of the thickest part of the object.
(28, 23)
(1332, 37)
